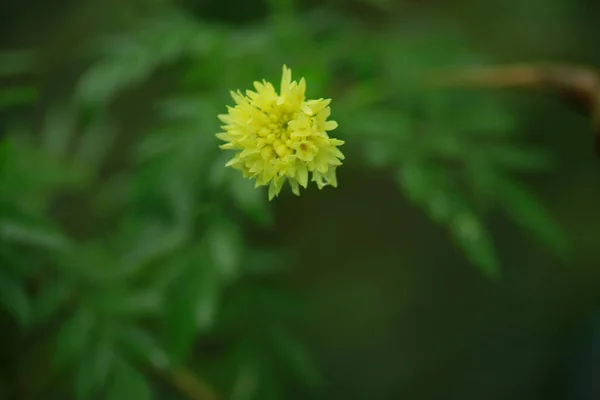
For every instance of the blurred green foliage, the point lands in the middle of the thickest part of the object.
(127, 246)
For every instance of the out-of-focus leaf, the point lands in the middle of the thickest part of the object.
(186, 108)
(40, 237)
(130, 59)
(20, 177)
(157, 143)
(16, 62)
(359, 96)
(181, 199)
(431, 189)
(207, 301)
(16, 96)
(58, 130)
(92, 262)
(126, 382)
(250, 200)
(127, 302)
(153, 242)
(519, 158)
(380, 124)
(169, 272)
(247, 380)
(51, 297)
(378, 153)
(278, 302)
(218, 174)
(296, 357)
(192, 304)
(74, 337)
(141, 345)
(94, 369)
(528, 212)
(474, 114)
(103, 81)
(475, 241)
(225, 243)
(427, 187)
(265, 261)
(14, 298)
(382, 4)
(445, 143)
(94, 143)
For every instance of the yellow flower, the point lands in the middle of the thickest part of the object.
(281, 136)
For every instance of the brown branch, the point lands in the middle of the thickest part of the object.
(578, 86)
(190, 384)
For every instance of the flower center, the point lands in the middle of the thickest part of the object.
(275, 137)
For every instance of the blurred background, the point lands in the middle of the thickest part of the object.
(457, 259)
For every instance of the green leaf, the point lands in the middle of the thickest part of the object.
(186, 108)
(192, 304)
(225, 241)
(277, 302)
(153, 241)
(181, 201)
(51, 297)
(58, 130)
(247, 379)
(16, 96)
(432, 189)
(126, 302)
(378, 154)
(265, 261)
(37, 236)
(381, 124)
(16, 62)
(94, 369)
(385, 5)
(101, 83)
(296, 356)
(519, 158)
(130, 59)
(14, 298)
(33, 180)
(476, 243)
(74, 337)
(250, 200)
(161, 279)
(528, 212)
(141, 345)
(94, 143)
(127, 383)
(207, 301)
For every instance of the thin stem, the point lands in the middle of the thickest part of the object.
(190, 384)
(578, 83)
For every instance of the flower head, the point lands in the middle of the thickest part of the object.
(281, 136)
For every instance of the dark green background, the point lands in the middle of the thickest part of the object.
(395, 309)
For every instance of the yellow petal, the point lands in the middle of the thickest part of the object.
(238, 98)
(302, 174)
(286, 80)
(330, 177)
(330, 125)
(294, 185)
(318, 179)
(225, 118)
(272, 191)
